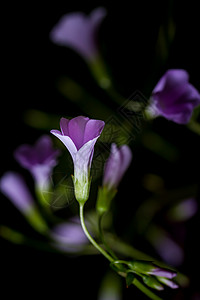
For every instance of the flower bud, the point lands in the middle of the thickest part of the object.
(153, 283)
(168, 282)
(104, 199)
(148, 268)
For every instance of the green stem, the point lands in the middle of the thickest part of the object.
(103, 239)
(94, 243)
(145, 290)
(137, 283)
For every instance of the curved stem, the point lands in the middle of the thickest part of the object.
(103, 239)
(94, 243)
(136, 282)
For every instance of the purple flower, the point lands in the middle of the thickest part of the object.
(116, 165)
(69, 236)
(79, 135)
(174, 97)
(39, 159)
(14, 188)
(168, 249)
(79, 31)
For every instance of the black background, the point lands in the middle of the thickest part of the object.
(31, 65)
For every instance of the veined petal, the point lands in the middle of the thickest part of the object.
(93, 128)
(66, 140)
(83, 159)
(64, 126)
(76, 129)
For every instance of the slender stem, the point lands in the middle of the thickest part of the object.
(137, 283)
(94, 243)
(145, 290)
(103, 239)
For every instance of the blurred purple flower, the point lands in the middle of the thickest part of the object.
(161, 272)
(116, 165)
(168, 282)
(79, 31)
(184, 210)
(168, 249)
(69, 237)
(79, 135)
(39, 159)
(174, 97)
(14, 188)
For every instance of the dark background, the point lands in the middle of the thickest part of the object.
(31, 65)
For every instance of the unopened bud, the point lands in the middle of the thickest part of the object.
(168, 282)
(153, 283)
(148, 268)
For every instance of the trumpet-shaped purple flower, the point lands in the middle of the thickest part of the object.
(174, 97)
(14, 188)
(116, 165)
(39, 159)
(78, 31)
(79, 135)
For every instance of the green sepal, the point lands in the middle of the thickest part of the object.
(104, 199)
(82, 189)
(129, 278)
(153, 283)
(117, 266)
(141, 266)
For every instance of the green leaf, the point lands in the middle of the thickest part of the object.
(129, 278)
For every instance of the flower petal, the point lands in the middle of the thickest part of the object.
(93, 128)
(66, 141)
(172, 78)
(45, 152)
(76, 128)
(26, 156)
(112, 168)
(13, 186)
(64, 126)
(78, 31)
(83, 159)
(69, 233)
(116, 165)
(174, 97)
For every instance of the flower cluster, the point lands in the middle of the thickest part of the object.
(173, 98)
